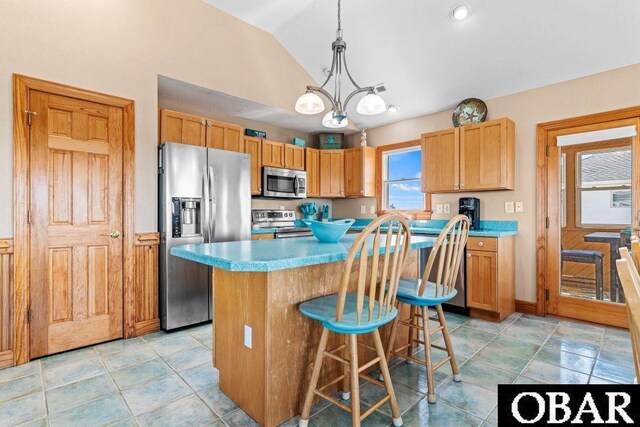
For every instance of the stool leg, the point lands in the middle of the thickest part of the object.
(600, 280)
(431, 388)
(384, 368)
(393, 333)
(412, 330)
(317, 367)
(346, 392)
(448, 345)
(355, 381)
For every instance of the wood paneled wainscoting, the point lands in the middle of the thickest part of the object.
(146, 283)
(6, 303)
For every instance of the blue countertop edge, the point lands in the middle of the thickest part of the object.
(281, 254)
(431, 231)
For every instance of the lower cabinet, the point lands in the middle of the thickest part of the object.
(263, 236)
(490, 267)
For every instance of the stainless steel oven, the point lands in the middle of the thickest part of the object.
(285, 183)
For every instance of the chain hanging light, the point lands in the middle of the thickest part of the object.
(311, 103)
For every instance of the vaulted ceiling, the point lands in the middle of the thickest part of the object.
(429, 63)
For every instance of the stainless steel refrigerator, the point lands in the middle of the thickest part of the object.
(204, 196)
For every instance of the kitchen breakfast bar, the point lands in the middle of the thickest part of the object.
(263, 347)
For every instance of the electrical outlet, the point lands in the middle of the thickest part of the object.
(247, 336)
(447, 208)
(508, 207)
(363, 209)
(439, 208)
(281, 207)
(519, 207)
(372, 209)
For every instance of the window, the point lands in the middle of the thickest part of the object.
(604, 187)
(401, 179)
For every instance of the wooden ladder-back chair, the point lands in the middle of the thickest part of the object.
(361, 312)
(630, 281)
(447, 255)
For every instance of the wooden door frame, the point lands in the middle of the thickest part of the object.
(543, 131)
(22, 85)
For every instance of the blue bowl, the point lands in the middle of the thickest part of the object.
(329, 232)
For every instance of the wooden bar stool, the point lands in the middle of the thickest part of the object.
(421, 294)
(342, 313)
(630, 281)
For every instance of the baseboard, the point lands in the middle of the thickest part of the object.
(526, 307)
(147, 326)
(6, 359)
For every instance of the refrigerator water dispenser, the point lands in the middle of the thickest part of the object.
(186, 217)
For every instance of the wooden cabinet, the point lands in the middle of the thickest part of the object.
(360, 172)
(294, 157)
(224, 136)
(312, 162)
(490, 268)
(487, 156)
(182, 128)
(272, 153)
(331, 173)
(440, 163)
(478, 157)
(263, 236)
(253, 147)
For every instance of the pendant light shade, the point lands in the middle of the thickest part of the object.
(371, 104)
(309, 103)
(329, 121)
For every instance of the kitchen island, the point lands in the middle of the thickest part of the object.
(263, 346)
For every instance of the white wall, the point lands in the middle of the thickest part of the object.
(611, 90)
(119, 47)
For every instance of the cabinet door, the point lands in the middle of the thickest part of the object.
(353, 172)
(233, 138)
(293, 157)
(440, 162)
(332, 173)
(272, 153)
(487, 155)
(482, 278)
(182, 128)
(313, 172)
(224, 136)
(253, 146)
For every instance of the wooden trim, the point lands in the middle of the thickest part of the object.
(6, 359)
(544, 131)
(6, 303)
(145, 297)
(416, 214)
(527, 307)
(22, 86)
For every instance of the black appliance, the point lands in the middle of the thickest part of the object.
(470, 206)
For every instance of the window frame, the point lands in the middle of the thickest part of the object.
(579, 189)
(383, 150)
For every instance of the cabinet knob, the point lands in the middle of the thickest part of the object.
(481, 244)
(461, 185)
(468, 255)
(456, 186)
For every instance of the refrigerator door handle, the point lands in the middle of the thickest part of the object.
(205, 206)
(213, 205)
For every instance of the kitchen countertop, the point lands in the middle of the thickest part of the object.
(272, 255)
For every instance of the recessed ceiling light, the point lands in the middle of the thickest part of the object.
(393, 108)
(460, 13)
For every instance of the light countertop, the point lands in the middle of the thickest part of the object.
(279, 254)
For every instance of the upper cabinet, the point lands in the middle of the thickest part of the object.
(312, 160)
(332, 173)
(272, 153)
(253, 147)
(360, 172)
(182, 128)
(224, 136)
(478, 157)
(294, 157)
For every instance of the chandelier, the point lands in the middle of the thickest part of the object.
(311, 103)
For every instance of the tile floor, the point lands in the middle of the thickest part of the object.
(167, 379)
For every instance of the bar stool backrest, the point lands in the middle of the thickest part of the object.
(630, 280)
(448, 253)
(635, 250)
(382, 284)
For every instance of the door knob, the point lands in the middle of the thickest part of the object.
(114, 234)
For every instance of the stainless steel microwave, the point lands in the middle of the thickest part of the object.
(284, 183)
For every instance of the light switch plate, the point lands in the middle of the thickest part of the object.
(372, 209)
(519, 207)
(363, 209)
(447, 208)
(508, 207)
(247, 336)
(439, 208)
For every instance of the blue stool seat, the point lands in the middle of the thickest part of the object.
(324, 310)
(408, 293)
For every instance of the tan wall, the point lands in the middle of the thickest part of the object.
(119, 47)
(611, 90)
